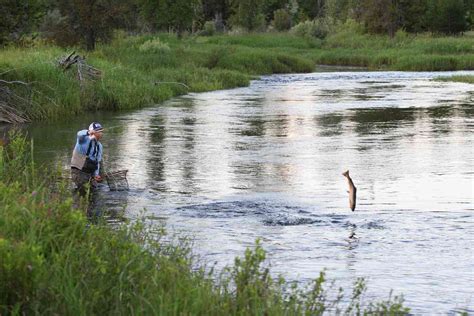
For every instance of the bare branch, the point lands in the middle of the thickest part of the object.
(172, 82)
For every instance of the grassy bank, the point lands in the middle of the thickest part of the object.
(466, 79)
(53, 261)
(143, 70)
(349, 48)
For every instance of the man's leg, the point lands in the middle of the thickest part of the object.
(80, 179)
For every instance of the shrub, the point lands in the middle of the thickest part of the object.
(154, 46)
(281, 20)
(209, 28)
(237, 30)
(318, 28)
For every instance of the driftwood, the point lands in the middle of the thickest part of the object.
(85, 72)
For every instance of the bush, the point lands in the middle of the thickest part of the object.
(281, 20)
(209, 28)
(154, 46)
(254, 23)
(401, 37)
(318, 28)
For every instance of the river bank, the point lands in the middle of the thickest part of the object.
(143, 70)
(466, 79)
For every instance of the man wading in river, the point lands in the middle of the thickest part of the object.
(86, 157)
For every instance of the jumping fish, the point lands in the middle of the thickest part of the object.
(352, 191)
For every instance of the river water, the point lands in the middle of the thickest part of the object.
(265, 161)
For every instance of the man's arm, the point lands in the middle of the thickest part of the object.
(99, 159)
(96, 172)
(82, 136)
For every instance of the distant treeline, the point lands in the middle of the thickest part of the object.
(72, 22)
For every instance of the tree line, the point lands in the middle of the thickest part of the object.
(86, 22)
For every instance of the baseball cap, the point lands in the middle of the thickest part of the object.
(95, 127)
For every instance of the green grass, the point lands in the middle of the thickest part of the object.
(403, 52)
(130, 73)
(466, 79)
(54, 261)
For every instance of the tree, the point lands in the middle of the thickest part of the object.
(447, 16)
(182, 13)
(380, 16)
(177, 15)
(217, 10)
(312, 8)
(281, 20)
(270, 6)
(248, 14)
(19, 17)
(470, 13)
(412, 15)
(337, 10)
(89, 21)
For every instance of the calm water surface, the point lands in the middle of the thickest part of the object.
(265, 161)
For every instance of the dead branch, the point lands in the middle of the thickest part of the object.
(172, 82)
(10, 103)
(85, 72)
(16, 99)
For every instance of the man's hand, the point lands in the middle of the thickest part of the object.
(98, 178)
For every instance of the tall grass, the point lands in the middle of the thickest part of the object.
(53, 261)
(422, 52)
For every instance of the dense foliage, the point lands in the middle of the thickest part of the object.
(68, 22)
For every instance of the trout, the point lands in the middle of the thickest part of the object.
(352, 191)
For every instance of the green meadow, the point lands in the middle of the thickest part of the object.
(139, 71)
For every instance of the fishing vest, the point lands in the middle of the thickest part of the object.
(84, 162)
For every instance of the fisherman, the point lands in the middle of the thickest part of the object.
(86, 157)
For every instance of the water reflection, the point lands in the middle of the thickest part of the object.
(331, 124)
(256, 127)
(157, 154)
(381, 121)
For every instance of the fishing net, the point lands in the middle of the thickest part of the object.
(117, 180)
